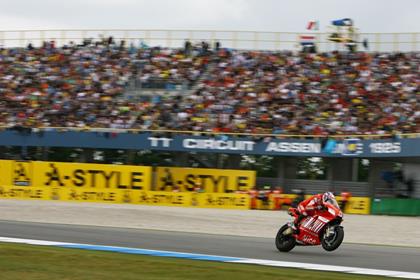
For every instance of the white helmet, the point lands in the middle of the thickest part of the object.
(328, 197)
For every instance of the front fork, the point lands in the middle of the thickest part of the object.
(289, 230)
(330, 230)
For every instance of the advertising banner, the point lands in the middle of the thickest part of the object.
(86, 194)
(90, 176)
(209, 180)
(160, 198)
(357, 205)
(226, 144)
(223, 200)
(24, 193)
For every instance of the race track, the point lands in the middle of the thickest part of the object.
(365, 256)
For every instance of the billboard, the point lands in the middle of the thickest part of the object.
(85, 175)
(209, 180)
(228, 144)
(79, 175)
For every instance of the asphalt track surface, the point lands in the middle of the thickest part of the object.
(355, 255)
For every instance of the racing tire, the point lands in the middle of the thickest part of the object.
(285, 243)
(331, 245)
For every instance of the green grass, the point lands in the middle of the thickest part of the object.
(19, 261)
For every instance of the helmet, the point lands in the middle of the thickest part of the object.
(328, 197)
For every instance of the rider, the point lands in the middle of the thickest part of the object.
(310, 206)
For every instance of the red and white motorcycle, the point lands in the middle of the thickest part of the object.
(322, 229)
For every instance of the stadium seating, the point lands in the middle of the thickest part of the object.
(228, 90)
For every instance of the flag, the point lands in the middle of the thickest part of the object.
(313, 25)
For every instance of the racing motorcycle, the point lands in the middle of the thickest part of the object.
(324, 228)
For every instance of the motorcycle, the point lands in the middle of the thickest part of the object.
(324, 228)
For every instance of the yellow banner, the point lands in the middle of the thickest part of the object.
(90, 176)
(160, 198)
(223, 200)
(86, 195)
(209, 180)
(5, 172)
(186, 199)
(357, 205)
(24, 193)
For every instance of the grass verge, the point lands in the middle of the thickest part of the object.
(28, 262)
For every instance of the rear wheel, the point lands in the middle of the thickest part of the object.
(284, 239)
(331, 241)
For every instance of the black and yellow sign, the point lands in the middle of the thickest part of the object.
(24, 192)
(82, 175)
(209, 180)
(22, 173)
(161, 198)
(223, 200)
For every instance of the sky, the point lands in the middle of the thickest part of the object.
(248, 15)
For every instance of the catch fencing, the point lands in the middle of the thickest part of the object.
(252, 40)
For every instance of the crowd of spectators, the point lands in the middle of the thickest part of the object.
(168, 68)
(330, 93)
(81, 85)
(241, 91)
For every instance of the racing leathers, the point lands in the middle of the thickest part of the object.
(308, 207)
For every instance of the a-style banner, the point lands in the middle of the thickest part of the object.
(84, 175)
(208, 180)
(357, 205)
(34, 193)
(81, 175)
(185, 199)
(223, 200)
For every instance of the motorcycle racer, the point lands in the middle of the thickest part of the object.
(311, 206)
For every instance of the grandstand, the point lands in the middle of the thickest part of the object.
(223, 92)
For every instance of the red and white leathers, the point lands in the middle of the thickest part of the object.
(309, 206)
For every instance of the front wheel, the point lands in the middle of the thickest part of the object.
(285, 242)
(331, 241)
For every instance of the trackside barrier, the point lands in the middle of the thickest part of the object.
(356, 205)
(108, 176)
(184, 199)
(132, 184)
(396, 206)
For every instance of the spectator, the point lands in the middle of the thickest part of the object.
(345, 198)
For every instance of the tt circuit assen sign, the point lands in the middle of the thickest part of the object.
(352, 147)
(348, 147)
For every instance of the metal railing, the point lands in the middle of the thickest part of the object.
(403, 42)
(211, 133)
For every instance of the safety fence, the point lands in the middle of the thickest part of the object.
(255, 40)
(164, 186)
(160, 132)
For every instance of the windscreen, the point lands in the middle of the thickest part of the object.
(332, 201)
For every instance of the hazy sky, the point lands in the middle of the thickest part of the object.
(258, 15)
